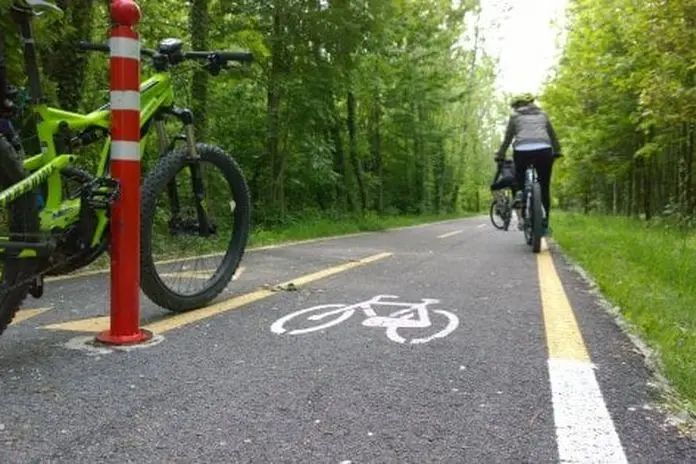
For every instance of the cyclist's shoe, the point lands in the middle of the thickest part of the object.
(546, 228)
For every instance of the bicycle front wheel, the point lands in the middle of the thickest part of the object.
(537, 218)
(193, 211)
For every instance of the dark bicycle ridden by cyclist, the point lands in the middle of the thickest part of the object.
(533, 140)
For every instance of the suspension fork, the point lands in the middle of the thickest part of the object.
(165, 146)
(186, 117)
(204, 225)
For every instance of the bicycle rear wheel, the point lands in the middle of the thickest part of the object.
(224, 238)
(20, 222)
(537, 218)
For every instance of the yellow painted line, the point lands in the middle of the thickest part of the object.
(25, 314)
(449, 234)
(176, 321)
(563, 337)
(204, 274)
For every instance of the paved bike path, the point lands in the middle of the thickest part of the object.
(228, 389)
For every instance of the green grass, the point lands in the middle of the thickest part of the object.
(650, 273)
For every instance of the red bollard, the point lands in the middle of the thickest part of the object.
(125, 168)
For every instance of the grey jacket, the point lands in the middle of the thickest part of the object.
(529, 124)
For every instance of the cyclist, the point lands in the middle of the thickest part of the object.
(533, 139)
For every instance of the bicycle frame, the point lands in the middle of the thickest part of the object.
(375, 320)
(56, 130)
(157, 94)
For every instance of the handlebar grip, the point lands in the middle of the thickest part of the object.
(241, 56)
(87, 46)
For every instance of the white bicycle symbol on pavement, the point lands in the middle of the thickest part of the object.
(412, 316)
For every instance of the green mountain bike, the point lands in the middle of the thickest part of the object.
(56, 216)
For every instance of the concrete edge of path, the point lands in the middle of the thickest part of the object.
(290, 243)
(672, 404)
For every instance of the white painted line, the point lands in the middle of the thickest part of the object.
(125, 151)
(449, 234)
(125, 100)
(584, 429)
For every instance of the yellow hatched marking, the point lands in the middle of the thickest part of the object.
(97, 324)
(26, 314)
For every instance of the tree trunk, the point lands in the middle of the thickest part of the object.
(273, 102)
(339, 167)
(353, 149)
(63, 63)
(376, 151)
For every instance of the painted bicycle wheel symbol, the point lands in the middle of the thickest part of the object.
(410, 316)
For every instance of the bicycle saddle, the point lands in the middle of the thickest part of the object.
(39, 6)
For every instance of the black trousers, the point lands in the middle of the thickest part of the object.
(543, 162)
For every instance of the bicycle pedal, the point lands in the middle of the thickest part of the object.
(102, 192)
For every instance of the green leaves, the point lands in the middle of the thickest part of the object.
(349, 102)
(628, 86)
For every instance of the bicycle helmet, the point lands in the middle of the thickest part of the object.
(522, 99)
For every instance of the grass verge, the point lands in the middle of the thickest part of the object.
(648, 273)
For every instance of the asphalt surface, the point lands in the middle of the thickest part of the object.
(229, 389)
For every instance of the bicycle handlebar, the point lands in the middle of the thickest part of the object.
(214, 58)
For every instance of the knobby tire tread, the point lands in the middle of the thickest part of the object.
(155, 184)
(24, 218)
(537, 218)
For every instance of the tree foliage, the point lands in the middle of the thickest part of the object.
(351, 106)
(624, 101)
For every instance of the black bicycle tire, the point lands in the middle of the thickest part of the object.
(154, 184)
(508, 216)
(491, 215)
(527, 229)
(24, 220)
(537, 218)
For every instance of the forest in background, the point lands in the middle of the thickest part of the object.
(623, 99)
(350, 107)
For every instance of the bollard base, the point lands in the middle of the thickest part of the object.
(107, 338)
